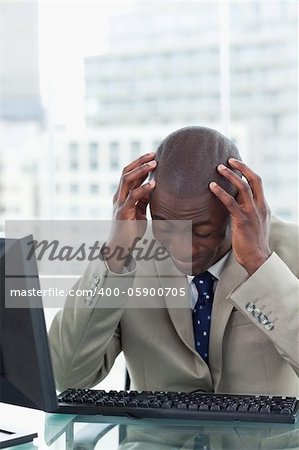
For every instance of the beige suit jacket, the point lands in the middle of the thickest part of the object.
(158, 341)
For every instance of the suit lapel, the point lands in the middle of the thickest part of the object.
(179, 310)
(232, 275)
(178, 307)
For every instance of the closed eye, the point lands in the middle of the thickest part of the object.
(201, 232)
(202, 235)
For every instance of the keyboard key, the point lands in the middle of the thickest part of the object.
(215, 408)
(243, 408)
(182, 406)
(133, 404)
(166, 405)
(120, 403)
(232, 408)
(254, 408)
(155, 405)
(193, 407)
(204, 407)
(110, 403)
(144, 404)
(265, 409)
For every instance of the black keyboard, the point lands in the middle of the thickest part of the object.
(180, 405)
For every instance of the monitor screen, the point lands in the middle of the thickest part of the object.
(26, 369)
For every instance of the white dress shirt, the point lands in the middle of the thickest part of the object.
(215, 270)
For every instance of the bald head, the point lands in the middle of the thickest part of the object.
(188, 159)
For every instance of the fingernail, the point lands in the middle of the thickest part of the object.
(221, 167)
(152, 163)
(213, 184)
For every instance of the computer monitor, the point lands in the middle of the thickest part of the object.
(26, 368)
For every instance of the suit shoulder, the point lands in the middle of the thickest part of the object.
(284, 240)
(283, 232)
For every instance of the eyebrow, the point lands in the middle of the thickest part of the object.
(205, 222)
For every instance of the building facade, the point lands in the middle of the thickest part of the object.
(172, 62)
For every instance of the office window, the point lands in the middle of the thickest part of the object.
(93, 155)
(94, 189)
(74, 188)
(73, 149)
(114, 155)
(113, 188)
(74, 211)
(135, 149)
(94, 212)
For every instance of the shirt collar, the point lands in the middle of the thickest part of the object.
(215, 269)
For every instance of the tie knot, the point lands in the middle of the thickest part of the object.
(204, 283)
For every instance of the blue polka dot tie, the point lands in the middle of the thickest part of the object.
(202, 313)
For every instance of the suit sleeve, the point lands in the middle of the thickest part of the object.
(270, 299)
(85, 336)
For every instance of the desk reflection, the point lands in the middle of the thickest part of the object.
(155, 434)
(206, 437)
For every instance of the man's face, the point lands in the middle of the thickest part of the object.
(211, 235)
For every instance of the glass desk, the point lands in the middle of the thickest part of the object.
(60, 431)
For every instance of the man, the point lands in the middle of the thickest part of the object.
(238, 329)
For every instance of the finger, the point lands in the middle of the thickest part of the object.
(134, 178)
(139, 193)
(226, 199)
(143, 202)
(139, 161)
(253, 179)
(140, 181)
(134, 185)
(244, 190)
(134, 164)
